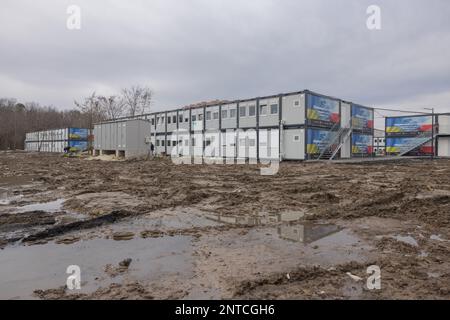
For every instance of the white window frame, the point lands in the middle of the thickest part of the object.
(278, 109)
(242, 108)
(251, 106)
(263, 105)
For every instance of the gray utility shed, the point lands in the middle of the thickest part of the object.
(127, 138)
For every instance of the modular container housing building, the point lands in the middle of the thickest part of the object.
(418, 135)
(77, 139)
(125, 138)
(294, 126)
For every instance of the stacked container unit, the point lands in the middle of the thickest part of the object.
(363, 131)
(407, 132)
(443, 138)
(56, 141)
(294, 126)
(127, 138)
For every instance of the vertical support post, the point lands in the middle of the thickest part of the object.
(178, 129)
(280, 128)
(165, 133)
(203, 131)
(236, 135)
(220, 131)
(257, 129)
(432, 134)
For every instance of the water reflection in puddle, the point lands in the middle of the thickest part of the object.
(258, 220)
(306, 233)
(25, 269)
(288, 228)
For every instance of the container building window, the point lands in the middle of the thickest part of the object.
(251, 111)
(216, 116)
(252, 142)
(180, 119)
(157, 143)
(232, 113)
(224, 114)
(208, 115)
(297, 103)
(169, 120)
(242, 111)
(174, 119)
(163, 143)
(194, 118)
(263, 110)
(200, 117)
(274, 109)
(153, 121)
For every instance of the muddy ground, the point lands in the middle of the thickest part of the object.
(155, 230)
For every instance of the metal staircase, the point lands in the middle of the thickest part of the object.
(335, 140)
(415, 143)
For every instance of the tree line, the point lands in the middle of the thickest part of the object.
(17, 118)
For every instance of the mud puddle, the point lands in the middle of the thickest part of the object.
(28, 268)
(19, 222)
(7, 197)
(52, 206)
(160, 223)
(167, 219)
(258, 220)
(236, 256)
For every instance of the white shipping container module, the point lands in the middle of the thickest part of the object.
(48, 141)
(444, 124)
(123, 138)
(443, 146)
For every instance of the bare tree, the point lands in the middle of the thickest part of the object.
(113, 106)
(137, 100)
(92, 107)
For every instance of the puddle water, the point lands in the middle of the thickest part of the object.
(437, 238)
(287, 230)
(25, 269)
(258, 220)
(6, 198)
(53, 206)
(407, 239)
(18, 222)
(163, 220)
(306, 233)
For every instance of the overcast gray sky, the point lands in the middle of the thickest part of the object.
(194, 50)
